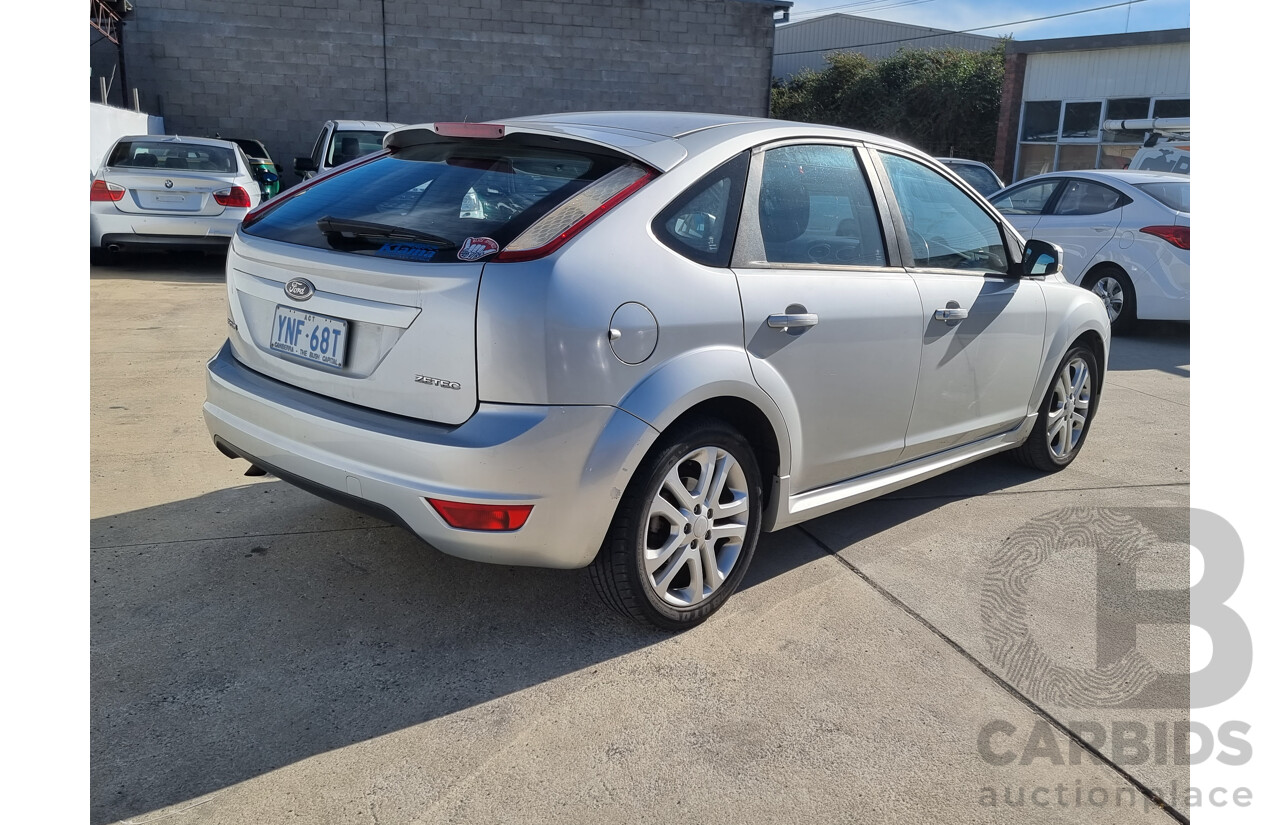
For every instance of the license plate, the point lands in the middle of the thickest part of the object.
(310, 336)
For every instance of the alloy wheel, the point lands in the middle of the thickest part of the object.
(1069, 408)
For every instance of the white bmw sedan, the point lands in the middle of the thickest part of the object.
(1125, 235)
(634, 340)
(170, 192)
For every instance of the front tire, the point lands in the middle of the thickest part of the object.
(684, 531)
(1065, 414)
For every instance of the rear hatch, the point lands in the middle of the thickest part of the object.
(362, 285)
(170, 177)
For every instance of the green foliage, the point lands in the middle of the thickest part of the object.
(944, 101)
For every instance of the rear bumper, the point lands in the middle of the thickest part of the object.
(571, 462)
(132, 231)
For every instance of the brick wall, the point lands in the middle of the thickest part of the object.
(275, 70)
(1015, 72)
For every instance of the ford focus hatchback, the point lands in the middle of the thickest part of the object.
(633, 341)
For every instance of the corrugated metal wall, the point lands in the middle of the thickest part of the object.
(1139, 71)
(801, 45)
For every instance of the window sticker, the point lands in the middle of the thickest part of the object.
(407, 251)
(473, 249)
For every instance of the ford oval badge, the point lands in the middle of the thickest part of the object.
(299, 289)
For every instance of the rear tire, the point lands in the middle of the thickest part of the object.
(1065, 414)
(1113, 286)
(685, 530)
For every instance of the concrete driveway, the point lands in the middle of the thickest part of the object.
(956, 652)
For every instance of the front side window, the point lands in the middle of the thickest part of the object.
(815, 207)
(1030, 199)
(946, 228)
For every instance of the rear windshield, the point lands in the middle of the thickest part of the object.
(430, 203)
(164, 155)
(1174, 194)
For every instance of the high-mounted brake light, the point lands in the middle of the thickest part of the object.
(555, 228)
(482, 131)
(103, 191)
(1179, 236)
(492, 517)
(264, 207)
(235, 197)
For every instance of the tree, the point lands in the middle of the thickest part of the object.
(943, 101)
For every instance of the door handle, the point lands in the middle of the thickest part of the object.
(951, 314)
(785, 321)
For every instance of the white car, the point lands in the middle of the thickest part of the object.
(975, 173)
(1126, 235)
(170, 192)
(635, 340)
(339, 142)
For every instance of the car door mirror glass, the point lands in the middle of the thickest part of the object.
(1041, 258)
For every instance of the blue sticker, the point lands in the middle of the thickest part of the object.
(407, 251)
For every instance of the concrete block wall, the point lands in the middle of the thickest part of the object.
(275, 70)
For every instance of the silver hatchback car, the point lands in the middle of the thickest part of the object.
(634, 340)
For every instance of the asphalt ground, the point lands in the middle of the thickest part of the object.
(970, 649)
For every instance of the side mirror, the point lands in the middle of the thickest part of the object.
(270, 177)
(1041, 258)
(301, 165)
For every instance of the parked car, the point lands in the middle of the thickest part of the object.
(170, 192)
(1126, 235)
(975, 173)
(667, 333)
(339, 142)
(263, 167)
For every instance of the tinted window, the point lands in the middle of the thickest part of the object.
(1027, 200)
(1081, 197)
(424, 202)
(173, 155)
(349, 145)
(815, 208)
(702, 222)
(1175, 195)
(946, 228)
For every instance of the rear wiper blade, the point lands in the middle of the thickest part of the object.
(368, 229)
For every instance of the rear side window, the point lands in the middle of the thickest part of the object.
(702, 222)
(172, 155)
(459, 200)
(346, 146)
(1082, 197)
(1175, 195)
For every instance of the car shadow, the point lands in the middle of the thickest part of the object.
(220, 652)
(1153, 345)
(176, 266)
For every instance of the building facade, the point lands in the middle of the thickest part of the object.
(805, 44)
(1058, 93)
(276, 70)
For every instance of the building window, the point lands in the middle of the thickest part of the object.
(1065, 135)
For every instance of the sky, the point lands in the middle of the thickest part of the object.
(1004, 15)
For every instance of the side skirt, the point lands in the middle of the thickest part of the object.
(788, 509)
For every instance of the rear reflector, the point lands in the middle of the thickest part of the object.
(103, 191)
(482, 131)
(490, 517)
(1179, 236)
(235, 197)
(553, 229)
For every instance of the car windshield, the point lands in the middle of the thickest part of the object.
(425, 203)
(347, 145)
(1173, 194)
(195, 157)
(977, 177)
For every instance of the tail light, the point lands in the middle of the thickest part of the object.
(236, 197)
(490, 517)
(289, 194)
(103, 191)
(553, 229)
(1179, 236)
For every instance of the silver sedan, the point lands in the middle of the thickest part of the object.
(634, 340)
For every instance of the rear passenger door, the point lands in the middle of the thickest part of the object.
(1083, 218)
(831, 318)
